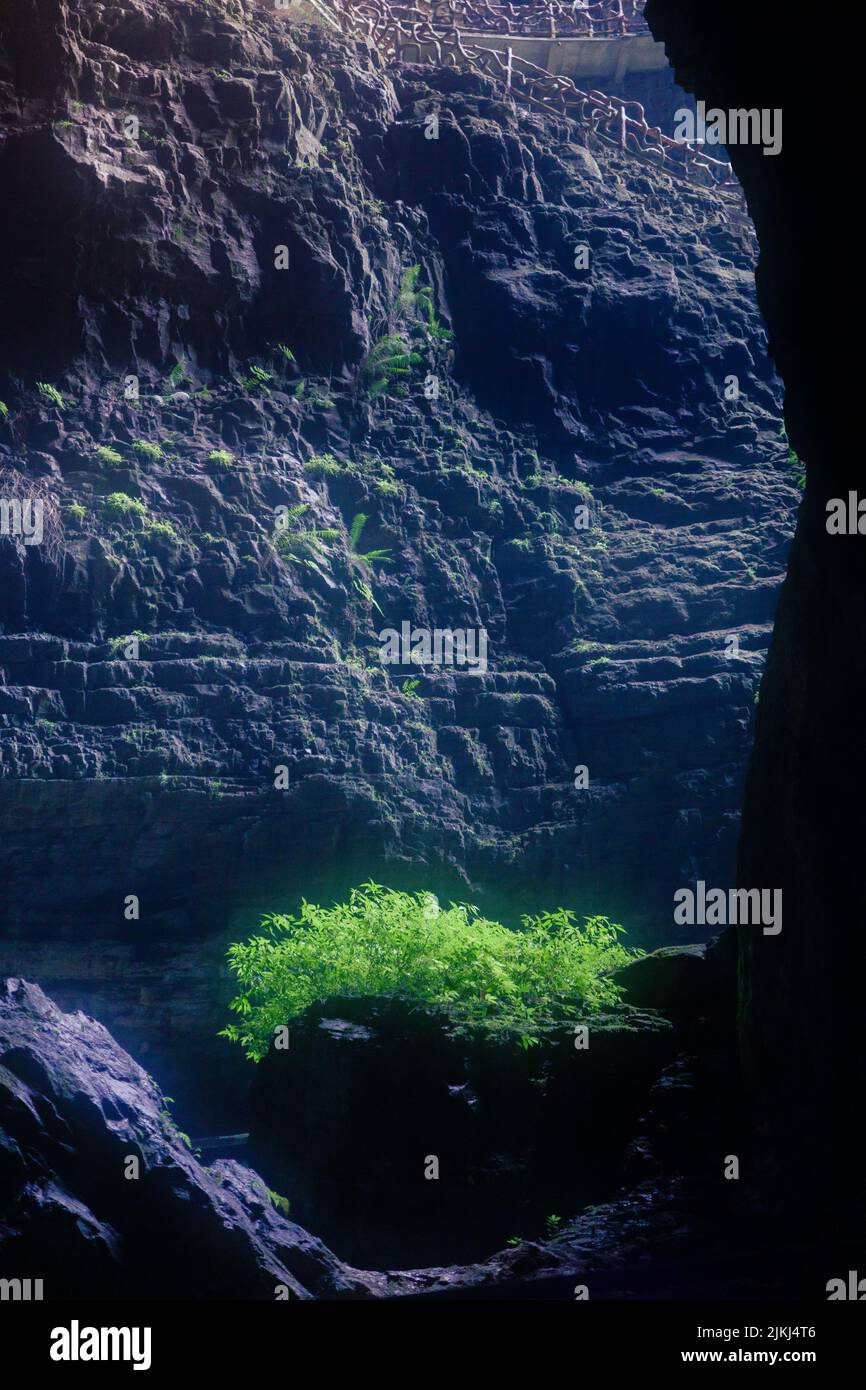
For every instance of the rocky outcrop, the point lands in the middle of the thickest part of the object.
(562, 386)
(404, 1142)
(100, 1195)
(801, 991)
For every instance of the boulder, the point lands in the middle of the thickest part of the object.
(100, 1194)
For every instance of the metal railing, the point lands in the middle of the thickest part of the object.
(425, 31)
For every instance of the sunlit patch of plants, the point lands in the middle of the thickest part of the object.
(484, 976)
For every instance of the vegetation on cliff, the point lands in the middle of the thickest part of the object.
(384, 942)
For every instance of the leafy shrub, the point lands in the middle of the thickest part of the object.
(108, 456)
(162, 531)
(221, 457)
(146, 450)
(121, 505)
(323, 466)
(77, 512)
(385, 942)
(4, 410)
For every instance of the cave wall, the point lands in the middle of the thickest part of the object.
(153, 775)
(801, 993)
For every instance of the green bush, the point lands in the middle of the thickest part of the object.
(221, 457)
(120, 504)
(146, 450)
(386, 942)
(323, 466)
(111, 458)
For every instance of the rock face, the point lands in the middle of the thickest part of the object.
(801, 991)
(403, 1144)
(161, 161)
(77, 1117)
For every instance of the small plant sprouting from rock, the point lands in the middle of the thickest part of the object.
(121, 506)
(370, 557)
(221, 457)
(282, 1204)
(410, 687)
(388, 359)
(323, 466)
(145, 449)
(305, 545)
(257, 379)
(50, 395)
(109, 457)
(483, 975)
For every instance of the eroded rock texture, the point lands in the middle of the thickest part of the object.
(371, 1092)
(149, 250)
(99, 1192)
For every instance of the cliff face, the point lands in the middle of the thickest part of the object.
(801, 992)
(161, 161)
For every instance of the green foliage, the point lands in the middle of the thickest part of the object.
(4, 410)
(221, 457)
(366, 592)
(415, 302)
(793, 459)
(323, 466)
(120, 505)
(282, 1204)
(506, 983)
(117, 644)
(161, 531)
(111, 458)
(797, 463)
(370, 557)
(389, 358)
(306, 545)
(50, 394)
(177, 374)
(146, 450)
(77, 512)
(286, 353)
(257, 379)
(410, 687)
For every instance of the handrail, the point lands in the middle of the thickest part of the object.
(406, 32)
